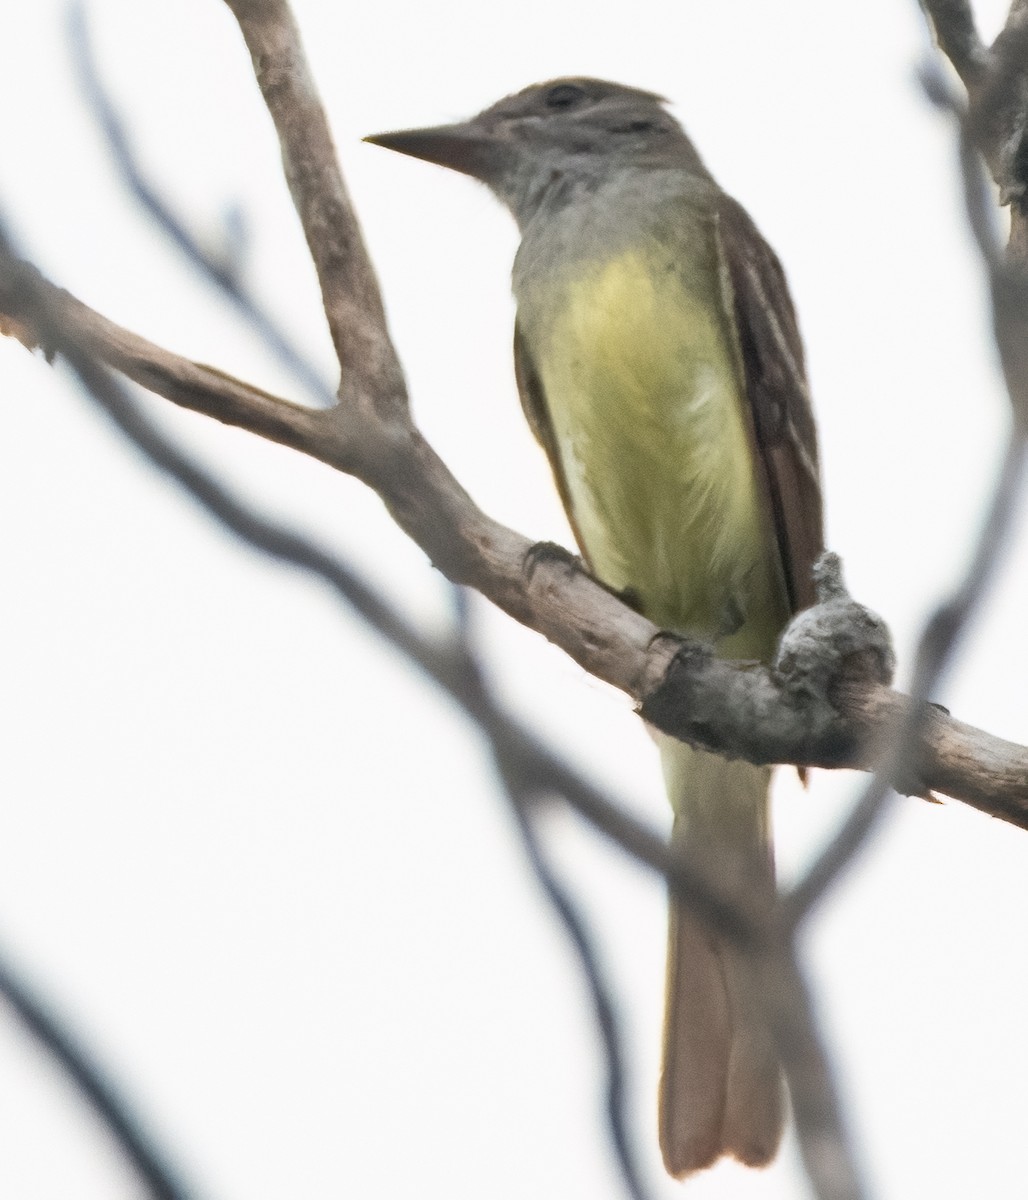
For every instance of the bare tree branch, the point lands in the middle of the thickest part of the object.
(953, 24)
(741, 710)
(371, 372)
(527, 791)
(998, 107)
(604, 1010)
(223, 269)
(826, 1154)
(190, 385)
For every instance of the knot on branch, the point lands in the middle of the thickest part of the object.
(799, 710)
(836, 644)
(539, 554)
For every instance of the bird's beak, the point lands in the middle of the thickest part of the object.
(467, 148)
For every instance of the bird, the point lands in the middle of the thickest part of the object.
(659, 363)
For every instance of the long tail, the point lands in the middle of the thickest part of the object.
(721, 1090)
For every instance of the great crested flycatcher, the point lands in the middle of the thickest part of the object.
(660, 366)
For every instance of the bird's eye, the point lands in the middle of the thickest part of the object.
(564, 95)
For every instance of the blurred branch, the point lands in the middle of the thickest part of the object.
(158, 1177)
(995, 131)
(952, 22)
(792, 1016)
(604, 1011)
(223, 269)
(997, 112)
(523, 789)
(996, 79)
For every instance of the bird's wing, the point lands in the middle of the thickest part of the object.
(533, 401)
(776, 388)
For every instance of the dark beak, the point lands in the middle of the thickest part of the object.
(467, 148)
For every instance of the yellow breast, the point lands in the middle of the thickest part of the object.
(643, 387)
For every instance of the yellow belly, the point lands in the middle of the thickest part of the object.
(643, 388)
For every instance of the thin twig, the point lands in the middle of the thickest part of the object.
(979, 207)
(222, 273)
(600, 993)
(149, 1162)
(828, 1157)
(521, 781)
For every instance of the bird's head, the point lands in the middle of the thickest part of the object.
(576, 128)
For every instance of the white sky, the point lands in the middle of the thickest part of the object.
(265, 873)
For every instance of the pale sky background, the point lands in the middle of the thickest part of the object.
(267, 874)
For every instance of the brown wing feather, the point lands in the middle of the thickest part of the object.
(776, 387)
